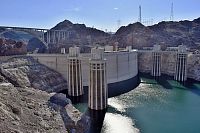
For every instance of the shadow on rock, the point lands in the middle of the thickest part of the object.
(75, 122)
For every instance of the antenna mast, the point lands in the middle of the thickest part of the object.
(140, 14)
(172, 12)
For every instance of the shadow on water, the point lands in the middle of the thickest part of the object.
(159, 80)
(116, 89)
(190, 84)
(193, 85)
(97, 118)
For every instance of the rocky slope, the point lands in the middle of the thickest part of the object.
(164, 33)
(137, 35)
(78, 29)
(26, 110)
(78, 34)
(15, 35)
(12, 47)
(26, 104)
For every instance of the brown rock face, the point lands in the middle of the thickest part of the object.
(11, 47)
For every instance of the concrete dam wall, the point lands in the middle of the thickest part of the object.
(121, 66)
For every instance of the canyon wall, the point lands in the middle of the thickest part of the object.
(194, 66)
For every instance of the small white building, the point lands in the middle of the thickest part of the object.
(62, 51)
(182, 48)
(156, 47)
(108, 48)
(128, 48)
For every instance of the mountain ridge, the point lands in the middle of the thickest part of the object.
(166, 33)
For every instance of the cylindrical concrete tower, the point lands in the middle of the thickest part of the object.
(98, 92)
(156, 61)
(181, 64)
(75, 85)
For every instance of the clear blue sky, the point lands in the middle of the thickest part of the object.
(102, 14)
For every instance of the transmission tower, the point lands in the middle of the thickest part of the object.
(147, 22)
(140, 14)
(172, 12)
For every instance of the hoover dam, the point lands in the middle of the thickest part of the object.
(99, 66)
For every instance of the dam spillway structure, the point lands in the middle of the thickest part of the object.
(181, 64)
(75, 85)
(156, 61)
(98, 90)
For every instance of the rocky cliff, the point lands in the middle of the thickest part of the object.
(29, 102)
(194, 66)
